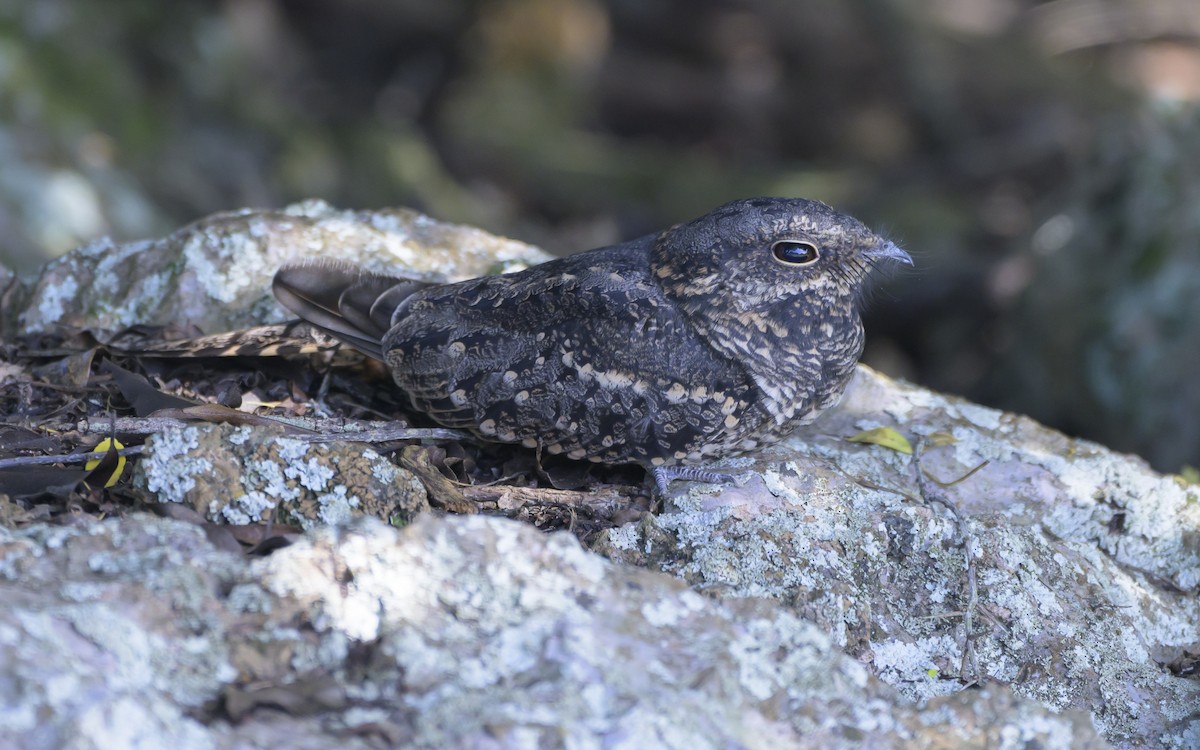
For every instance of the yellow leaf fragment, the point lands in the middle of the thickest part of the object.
(886, 437)
(105, 445)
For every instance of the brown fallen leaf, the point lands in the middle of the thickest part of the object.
(140, 393)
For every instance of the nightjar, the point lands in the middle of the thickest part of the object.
(708, 339)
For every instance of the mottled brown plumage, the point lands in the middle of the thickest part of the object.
(711, 338)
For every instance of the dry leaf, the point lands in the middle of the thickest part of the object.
(112, 462)
(885, 437)
(938, 439)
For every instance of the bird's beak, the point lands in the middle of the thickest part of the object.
(887, 249)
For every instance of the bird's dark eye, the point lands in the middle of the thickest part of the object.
(795, 252)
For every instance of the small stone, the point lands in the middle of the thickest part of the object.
(245, 474)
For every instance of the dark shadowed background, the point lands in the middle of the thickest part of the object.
(1041, 160)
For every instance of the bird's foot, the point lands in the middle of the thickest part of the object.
(664, 475)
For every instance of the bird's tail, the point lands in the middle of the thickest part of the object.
(350, 304)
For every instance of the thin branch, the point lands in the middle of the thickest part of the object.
(969, 661)
(69, 458)
(323, 430)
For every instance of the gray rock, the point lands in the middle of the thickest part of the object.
(109, 636)
(249, 474)
(455, 632)
(838, 595)
(1058, 567)
(216, 273)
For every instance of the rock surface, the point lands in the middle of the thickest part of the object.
(1058, 567)
(244, 475)
(455, 632)
(216, 273)
(1006, 586)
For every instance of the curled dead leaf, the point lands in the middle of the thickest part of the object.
(113, 463)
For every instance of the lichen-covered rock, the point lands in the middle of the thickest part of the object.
(1056, 577)
(247, 474)
(111, 635)
(216, 273)
(455, 632)
(1058, 567)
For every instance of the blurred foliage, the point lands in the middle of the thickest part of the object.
(969, 130)
(1114, 297)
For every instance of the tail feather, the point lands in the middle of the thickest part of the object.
(352, 305)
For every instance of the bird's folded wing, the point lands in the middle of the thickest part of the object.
(353, 305)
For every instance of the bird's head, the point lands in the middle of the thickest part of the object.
(759, 252)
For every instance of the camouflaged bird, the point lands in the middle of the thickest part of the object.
(709, 339)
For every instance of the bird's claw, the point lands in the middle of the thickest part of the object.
(664, 475)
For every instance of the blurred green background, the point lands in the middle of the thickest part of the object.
(1041, 160)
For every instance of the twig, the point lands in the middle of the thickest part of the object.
(69, 458)
(968, 664)
(323, 430)
(952, 482)
(388, 434)
(129, 425)
(542, 495)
